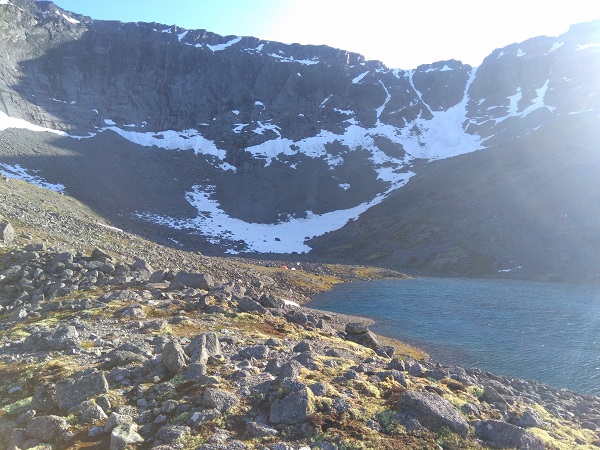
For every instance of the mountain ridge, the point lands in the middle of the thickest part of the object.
(283, 138)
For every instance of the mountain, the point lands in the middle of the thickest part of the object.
(234, 144)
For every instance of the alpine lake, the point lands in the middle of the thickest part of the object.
(548, 332)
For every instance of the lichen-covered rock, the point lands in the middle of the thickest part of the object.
(432, 411)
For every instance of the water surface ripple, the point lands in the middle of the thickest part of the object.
(549, 332)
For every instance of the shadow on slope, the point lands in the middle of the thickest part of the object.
(529, 209)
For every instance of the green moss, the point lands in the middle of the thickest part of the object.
(13, 409)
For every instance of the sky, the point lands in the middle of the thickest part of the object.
(401, 34)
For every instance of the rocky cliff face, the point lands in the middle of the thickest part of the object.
(237, 144)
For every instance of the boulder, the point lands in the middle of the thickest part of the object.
(91, 412)
(203, 346)
(258, 430)
(356, 328)
(98, 254)
(255, 351)
(172, 433)
(173, 357)
(124, 434)
(270, 301)
(432, 411)
(193, 280)
(141, 264)
(219, 399)
(46, 428)
(62, 338)
(528, 419)
(82, 386)
(114, 420)
(246, 304)
(44, 398)
(7, 232)
(505, 435)
(293, 408)
(367, 339)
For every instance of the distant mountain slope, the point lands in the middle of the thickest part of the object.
(241, 145)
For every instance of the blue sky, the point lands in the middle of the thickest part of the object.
(399, 33)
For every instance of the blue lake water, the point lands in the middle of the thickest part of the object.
(549, 332)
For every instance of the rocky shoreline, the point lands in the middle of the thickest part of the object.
(133, 345)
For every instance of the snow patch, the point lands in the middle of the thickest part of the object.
(21, 173)
(387, 99)
(322, 105)
(12, 122)
(513, 106)
(283, 237)
(289, 59)
(236, 112)
(344, 186)
(69, 19)
(555, 47)
(443, 136)
(344, 111)
(446, 68)
(221, 47)
(586, 46)
(538, 102)
(109, 122)
(189, 139)
(579, 112)
(239, 127)
(358, 79)
(5, 2)
(262, 127)
(180, 36)
(110, 227)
